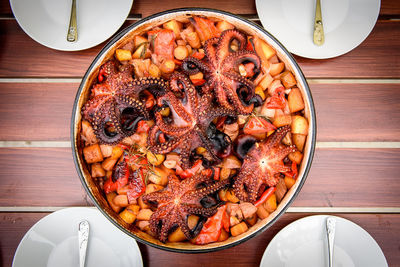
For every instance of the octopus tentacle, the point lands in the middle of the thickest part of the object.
(191, 65)
(225, 41)
(207, 212)
(235, 59)
(156, 86)
(210, 49)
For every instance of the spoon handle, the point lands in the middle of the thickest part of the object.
(72, 35)
(319, 37)
(83, 237)
(330, 228)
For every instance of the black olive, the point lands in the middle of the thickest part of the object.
(243, 144)
(208, 202)
(129, 119)
(256, 100)
(231, 119)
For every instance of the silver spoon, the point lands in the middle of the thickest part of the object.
(330, 229)
(83, 237)
(72, 35)
(319, 37)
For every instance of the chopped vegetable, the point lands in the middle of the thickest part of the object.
(289, 181)
(175, 26)
(299, 125)
(223, 25)
(296, 156)
(189, 172)
(267, 193)
(118, 179)
(299, 140)
(204, 27)
(258, 125)
(121, 200)
(295, 100)
(288, 80)
(276, 68)
(263, 50)
(92, 153)
(97, 170)
(239, 229)
(212, 228)
(129, 214)
(123, 55)
(110, 197)
(162, 43)
(181, 52)
(270, 203)
(155, 159)
(144, 215)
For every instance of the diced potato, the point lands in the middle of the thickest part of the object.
(270, 204)
(223, 236)
(192, 221)
(274, 59)
(239, 229)
(117, 152)
(141, 67)
(231, 162)
(181, 52)
(262, 213)
(123, 190)
(276, 68)
(158, 176)
(223, 25)
(281, 190)
(266, 81)
(110, 197)
(252, 220)
(138, 40)
(296, 156)
(222, 194)
(230, 196)
(142, 51)
(88, 133)
(155, 159)
(274, 86)
(123, 55)
(92, 154)
(108, 163)
(224, 173)
(259, 91)
(121, 200)
(233, 221)
(143, 225)
(287, 140)
(129, 214)
(282, 120)
(248, 209)
(177, 236)
(289, 181)
(295, 100)
(288, 80)
(175, 26)
(142, 204)
(299, 125)
(150, 188)
(106, 150)
(168, 66)
(197, 76)
(193, 39)
(299, 141)
(263, 50)
(144, 214)
(171, 160)
(97, 170)
(154, 71)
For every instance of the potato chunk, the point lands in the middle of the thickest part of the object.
(123, 54)
(299, 125)
(295, 100)
(92, 154)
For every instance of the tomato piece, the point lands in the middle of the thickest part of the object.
(258, 125)
(143, 127)
(250, 43)
(161, 138)
(220, 122)
(137, 185)
(205, 28)
(136, 161)
(294, 172)
(277, 100)
(217, 172)
(212, 227)
(162, 42)
(118, 178)
(189, 172)
(198, 82)
(198, 55)
(100, 77)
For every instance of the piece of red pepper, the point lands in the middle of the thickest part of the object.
(212, 227)
(217, 172)
(294, 172)
(277, 100)
(189, 172)
(220, 122)
(264, 197)
(198, 55)
(161, 138)
(100, 77)
(198, 82)
(122, 173)
(137, 185)
(142, 127)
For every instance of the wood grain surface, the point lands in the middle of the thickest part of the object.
(13, 226)
(23, 57)
(357, 112)
(338, 178)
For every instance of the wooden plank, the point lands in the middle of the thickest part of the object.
(383, 228)
(357, 112)
(338, 178)
(17, 48)
(388, 7)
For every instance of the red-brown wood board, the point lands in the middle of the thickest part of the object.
(354, 173)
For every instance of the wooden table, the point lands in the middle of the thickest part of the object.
(355, 173)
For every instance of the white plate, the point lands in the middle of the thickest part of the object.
(346, 24)
(304, 243)
(53, 241)
(47, 21)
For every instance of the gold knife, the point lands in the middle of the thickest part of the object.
(319, 37)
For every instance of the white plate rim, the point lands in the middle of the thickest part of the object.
(72, 210)
(311, 218)
(33, 36)
(305, 51)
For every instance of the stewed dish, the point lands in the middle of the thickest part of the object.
(192, 130)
